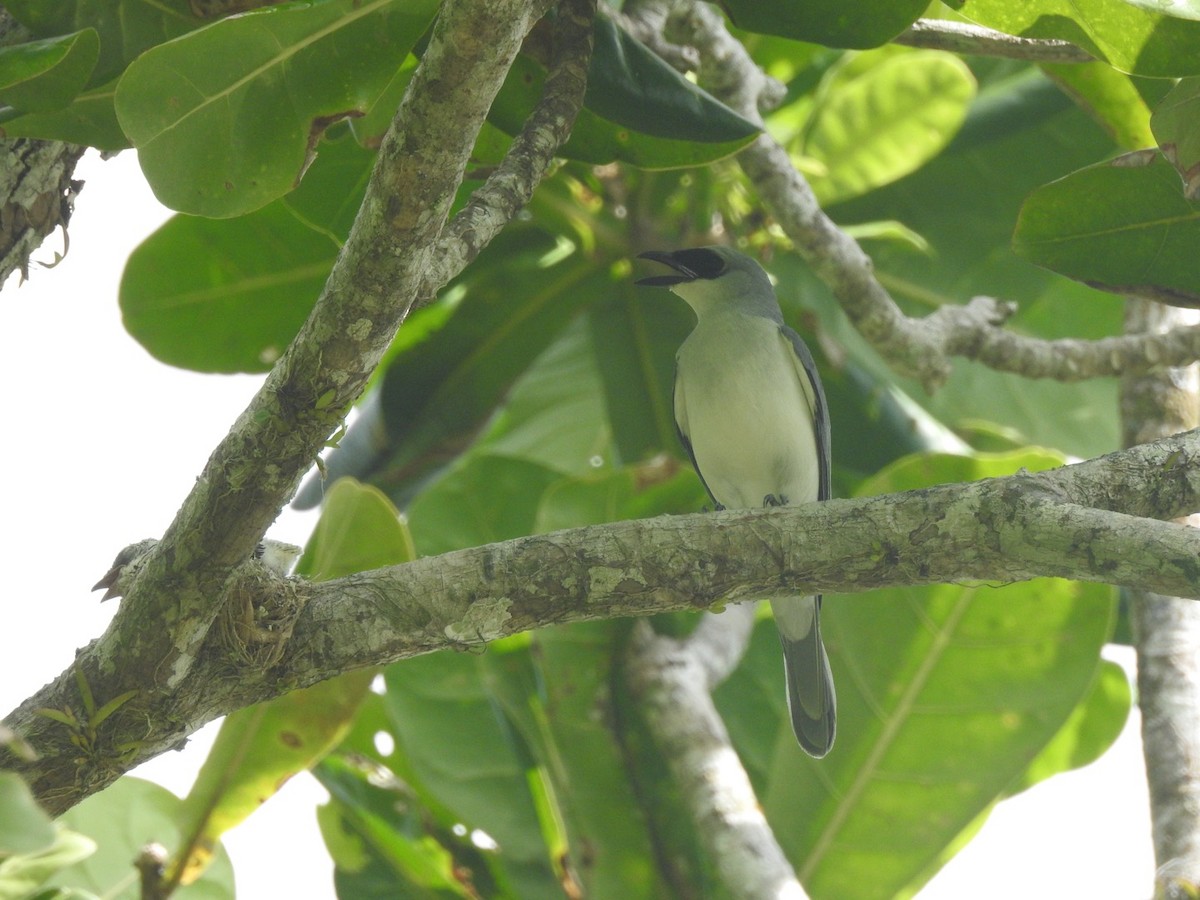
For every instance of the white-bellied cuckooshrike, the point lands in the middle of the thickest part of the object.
(275, 555)
(752, 416)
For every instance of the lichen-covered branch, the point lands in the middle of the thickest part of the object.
(155, 641)
(923, 348)
(1084, 522)
(962, 37)
(672, 681)
(509, 188)
(1167, 635)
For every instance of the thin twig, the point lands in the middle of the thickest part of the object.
(961, 37)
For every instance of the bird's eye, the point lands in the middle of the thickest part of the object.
(701, 261)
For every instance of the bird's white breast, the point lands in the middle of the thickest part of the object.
(741, 402)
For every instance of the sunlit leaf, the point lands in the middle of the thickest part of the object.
(1123, 227)
(886, 121)
(1134, 37)
(848, 23)
(226, 118)
(46, 75)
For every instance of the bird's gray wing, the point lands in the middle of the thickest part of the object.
(812, 702)
(812, 379)
(679, 405)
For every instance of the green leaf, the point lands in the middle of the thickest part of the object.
(635, 334)
(229, 295)
(460, 751)
(21, 874)
(24, 826)
(380, 846)
(834, 23)
(885, 121)
(46, 75)
(945, 696)
(122, 819)
(90, 120)
(1123, 227)
(441, 386)
(1177, 131)
(359, 529)
(481, 499)
(1090, 730)
(126, 28)
(202, 294)
(226, 118)
(687, 126)
(1140, 40)
(1110, 97)
(555, 415)
(632, 87)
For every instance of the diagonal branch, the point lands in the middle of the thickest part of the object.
(1081, 522)
(962, 37)
(672, 680)
(509, 188)
(153, 644)
(922, 348)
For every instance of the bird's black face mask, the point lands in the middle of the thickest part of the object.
(698, 263)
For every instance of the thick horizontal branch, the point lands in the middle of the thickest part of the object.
(1080, 522)
(961, 37)
(923, 348)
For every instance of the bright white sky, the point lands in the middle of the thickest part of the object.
(118, 439)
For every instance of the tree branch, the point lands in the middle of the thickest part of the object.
(974, 40)
(509, 188)
(153, 644)
(1080, 522)
(1166, 636)
(922, 348)
(673, 681)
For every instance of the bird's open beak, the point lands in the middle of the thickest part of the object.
(667, 259)
(108, 582)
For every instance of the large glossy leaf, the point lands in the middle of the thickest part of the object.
(834, 23)
(632, 87)
(126, 27)
(225, 119)
(635, 333)
(1177, 130)
(90, 120)
(440, 388)
(1110, 97)
(48, 74)
(1123, 227)
(1091, 729)
(259, 748)
(555, 415)
(1143, 39)
(380, 844)
(877, 124)
(229, 295)
(461, 750)
(202, 294)
(639, 110)
(945, 696)
(122, 819)
(24, 826)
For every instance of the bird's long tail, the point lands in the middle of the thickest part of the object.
(811, 700)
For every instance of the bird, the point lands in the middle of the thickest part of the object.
(751, 414)
(275, 555)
